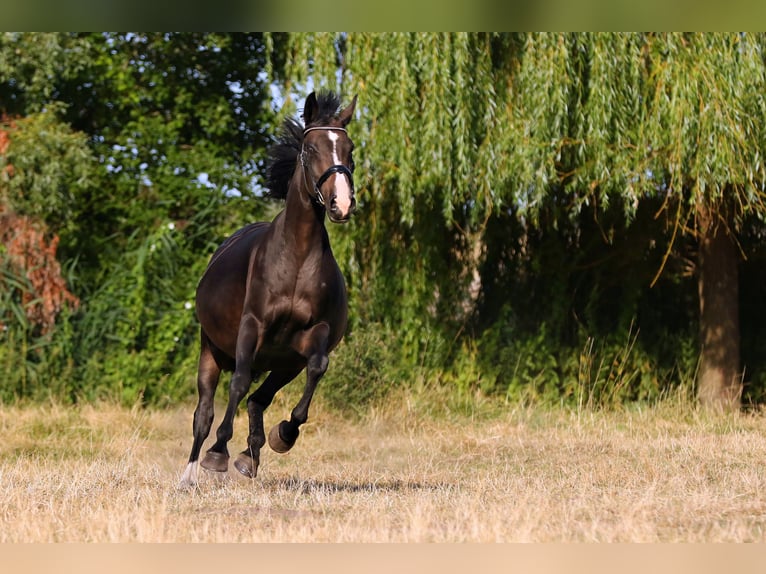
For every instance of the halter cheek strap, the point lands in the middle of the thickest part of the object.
(337, 168)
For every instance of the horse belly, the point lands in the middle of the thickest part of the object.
(271, 358)
(221, 290)
(219, 316)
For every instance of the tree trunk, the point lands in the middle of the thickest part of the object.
(720, 376)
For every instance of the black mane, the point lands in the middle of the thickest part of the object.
(283, 153)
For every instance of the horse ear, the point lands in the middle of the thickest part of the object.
(310, 109)
(346, 115)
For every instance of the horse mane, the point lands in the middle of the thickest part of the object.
(283, 153)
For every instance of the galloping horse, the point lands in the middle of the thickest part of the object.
(272, 297)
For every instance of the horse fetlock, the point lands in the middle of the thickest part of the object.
(215, 461)
(281, 441)
(189, 477)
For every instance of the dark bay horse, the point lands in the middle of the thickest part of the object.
(273, 298)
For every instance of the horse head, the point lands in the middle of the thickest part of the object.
(326, 158)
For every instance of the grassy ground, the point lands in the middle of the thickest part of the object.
(501, 473)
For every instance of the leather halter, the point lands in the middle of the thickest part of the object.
(336, 168)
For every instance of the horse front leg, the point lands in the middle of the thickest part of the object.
(248, 460)
(217, 456)
(312, 344)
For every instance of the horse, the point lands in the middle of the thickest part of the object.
(272, 298)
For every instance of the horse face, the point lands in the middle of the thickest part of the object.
(328, 158)
(330, 165)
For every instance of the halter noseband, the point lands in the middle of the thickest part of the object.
(337, 168)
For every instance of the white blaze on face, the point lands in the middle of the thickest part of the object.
(342, 186)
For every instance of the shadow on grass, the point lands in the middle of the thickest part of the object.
(311, 486)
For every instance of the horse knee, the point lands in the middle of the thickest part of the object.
(240, 383)
(317, 365)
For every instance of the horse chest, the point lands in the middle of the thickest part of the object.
(294, 309)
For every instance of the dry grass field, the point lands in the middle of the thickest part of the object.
(504, 473)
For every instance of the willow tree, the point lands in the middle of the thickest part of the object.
(427, 153)
(456, 127)
(677, 118)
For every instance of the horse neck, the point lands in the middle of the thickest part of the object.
(303, 222)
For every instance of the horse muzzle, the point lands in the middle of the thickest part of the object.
(338, 213)
(341, 201)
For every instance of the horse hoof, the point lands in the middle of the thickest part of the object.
(246, 465)
(276, 442)
(215, 461)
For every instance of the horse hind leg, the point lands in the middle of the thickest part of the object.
(217, 456)
(248, 460)
(208, 374)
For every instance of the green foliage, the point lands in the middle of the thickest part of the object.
(528, 204)
(426, 170)
(46, 171)
(32, 365)
(137, 332)
(364, 369)
(679, 116)
(32, 66)
(562, 173)
(536, 368)
(140, 151)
